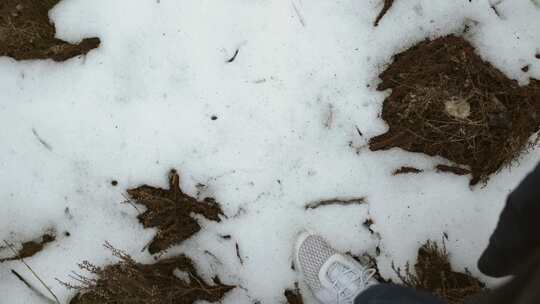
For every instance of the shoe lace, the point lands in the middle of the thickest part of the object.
(362, 279)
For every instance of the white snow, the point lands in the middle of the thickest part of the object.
(287, 108)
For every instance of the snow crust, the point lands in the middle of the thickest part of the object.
(288, 109)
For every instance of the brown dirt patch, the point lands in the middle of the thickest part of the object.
(433, 273)
(447, 101)
(129, 282)
(30, 248)
(27, 33)
(170, 211)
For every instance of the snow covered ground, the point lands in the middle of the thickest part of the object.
(287, 108)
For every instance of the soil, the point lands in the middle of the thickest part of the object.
(27, 33)
(31, 248)
(170, 211)
(447, 101)
(433, 273)
(129, 282)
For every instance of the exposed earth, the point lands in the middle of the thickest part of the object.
(446, 101)
(27, 33)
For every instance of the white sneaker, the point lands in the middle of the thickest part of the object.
(333, 278)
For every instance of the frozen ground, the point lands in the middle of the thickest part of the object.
(287, 110)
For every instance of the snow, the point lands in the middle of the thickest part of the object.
(287, 110)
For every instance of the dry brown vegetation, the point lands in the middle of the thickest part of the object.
(171, 211)
(447, 101)
(30, 248)
(433, 273)
(27, 33)
(406, 170)
(129, 282)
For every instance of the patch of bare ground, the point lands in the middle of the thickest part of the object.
(171, 212)
(27, 33)
(447, 101)
(30, 248)
(168, 281)
(433, 273)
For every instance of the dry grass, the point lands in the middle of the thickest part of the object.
(27, 33)
(129, 282)
(433, 273)
(447, 101)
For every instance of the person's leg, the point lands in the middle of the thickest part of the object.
(394, 294)
(513, 243)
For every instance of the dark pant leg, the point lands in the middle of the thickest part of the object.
(516, 237)
(394, 294)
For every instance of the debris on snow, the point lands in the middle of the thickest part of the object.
(336, 201)
(294, 296)
(27, 33)
(170, 211)
(447, 101)
(433, 273)
(406, 170)
(30, 248)
(130, 282)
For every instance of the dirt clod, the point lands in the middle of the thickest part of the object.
(27, 33)
(433, 273)
(447, 101)
(170, 211)
(129, 282)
